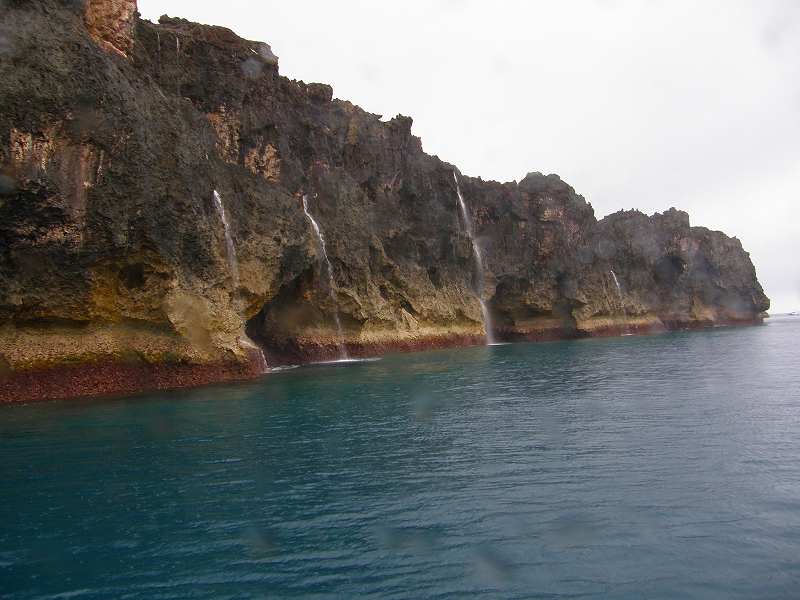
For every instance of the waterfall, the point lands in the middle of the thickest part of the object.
(476, 251)
(616, 283)
(621, 301)
(233, 267)
(261, 360)
(233, 263)
(326, 263)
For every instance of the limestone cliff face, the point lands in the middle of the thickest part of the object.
(113, 260)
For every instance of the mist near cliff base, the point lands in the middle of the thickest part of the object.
(636, 105)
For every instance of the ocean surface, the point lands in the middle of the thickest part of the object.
(664, 466)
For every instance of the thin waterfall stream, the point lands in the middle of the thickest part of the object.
(621, 300)
(326, 264)
(230, 249)
(476, 251)
(233, 267)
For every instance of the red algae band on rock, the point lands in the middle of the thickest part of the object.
(117, 138)
(112, 378)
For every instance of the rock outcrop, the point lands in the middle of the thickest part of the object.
(111, 23)
(114, 271)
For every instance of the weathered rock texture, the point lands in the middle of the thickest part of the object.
(111, 23)
(113, 263)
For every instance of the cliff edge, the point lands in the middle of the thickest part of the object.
(153, 232)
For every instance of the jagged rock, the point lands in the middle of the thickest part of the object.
(111, 23)
(320, 92)
(113, 257)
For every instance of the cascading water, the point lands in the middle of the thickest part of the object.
(476, 251)
(616, 283)
(621, 300)
(230, 249)
(326, 263)
(257, 351)
(233, 267)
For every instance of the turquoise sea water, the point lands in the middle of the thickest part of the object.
(665, 466)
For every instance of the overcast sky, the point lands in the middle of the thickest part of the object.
(637, 104)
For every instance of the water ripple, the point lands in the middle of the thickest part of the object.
(656, 467)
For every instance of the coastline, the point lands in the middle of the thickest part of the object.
(291, 227)
(117, 378)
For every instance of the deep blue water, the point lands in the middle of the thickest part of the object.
(665, 466)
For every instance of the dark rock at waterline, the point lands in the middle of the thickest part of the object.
(114, 133)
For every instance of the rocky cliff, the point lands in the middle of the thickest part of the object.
(123, 144)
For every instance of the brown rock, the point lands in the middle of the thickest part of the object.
(112, 248)
(111, 23)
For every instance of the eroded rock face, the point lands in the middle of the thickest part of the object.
(111, 23)
(112, 251)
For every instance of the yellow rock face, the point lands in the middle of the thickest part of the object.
(111, 24)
